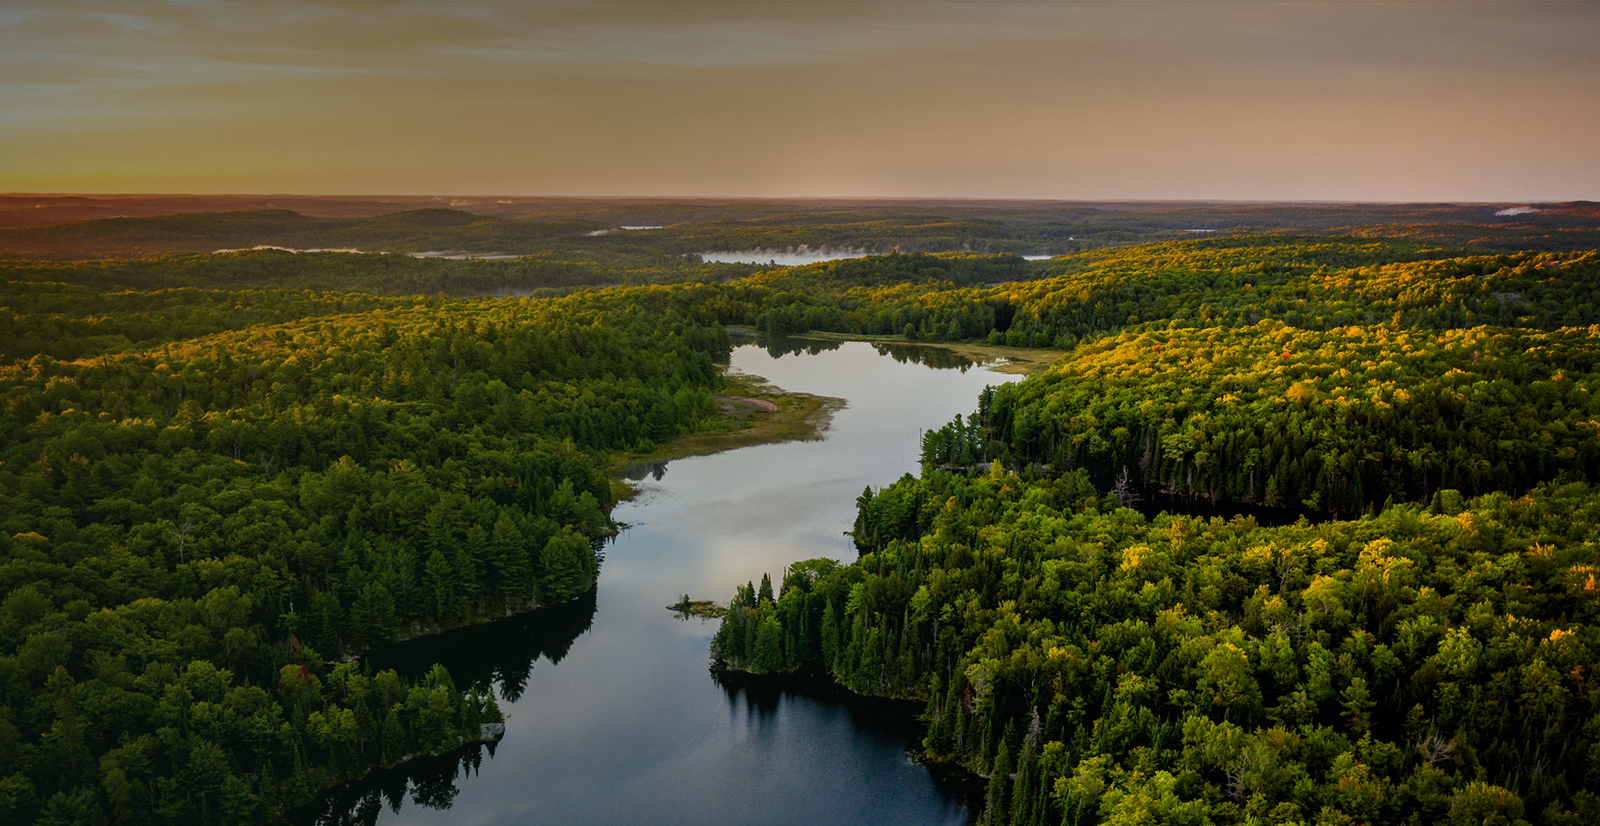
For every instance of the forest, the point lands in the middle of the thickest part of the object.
(200, 534)
(234, 484)
(1416, 647)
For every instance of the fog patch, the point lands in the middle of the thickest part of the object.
(791, 257)
(454, 255)
(259, 247)
(625, 226)
(1518, 211)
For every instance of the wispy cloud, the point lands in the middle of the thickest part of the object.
(1151, 99)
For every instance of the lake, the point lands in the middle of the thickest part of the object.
(791, 257)
(613, 714)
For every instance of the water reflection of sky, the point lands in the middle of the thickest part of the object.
(629, 727)
(785, 258)
(795, 257)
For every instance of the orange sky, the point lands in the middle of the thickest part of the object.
(1480, 101)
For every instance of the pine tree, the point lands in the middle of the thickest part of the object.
(830, 637)
(1358, 705)
(238, 804)
(395, 745)
(563, 571)
(936, 740)
(728, 644)
(769, 650)
(998, 803)
(509, 554)
(465, 570)
(442, 579)
(374, 615)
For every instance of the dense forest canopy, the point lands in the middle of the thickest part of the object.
(196, 532)
(224, 477)
(1430, 664)
(1421, 653)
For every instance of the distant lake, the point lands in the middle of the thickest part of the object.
(613, 714)
(453, 255)
(792, 257)
(468, 256)
(798, 256)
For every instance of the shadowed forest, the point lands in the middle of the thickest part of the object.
(245, 497)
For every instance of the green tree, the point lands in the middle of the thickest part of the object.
(769, 649)
(562, 561)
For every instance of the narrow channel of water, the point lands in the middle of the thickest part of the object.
(613, 715)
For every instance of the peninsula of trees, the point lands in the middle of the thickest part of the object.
(1417, 648)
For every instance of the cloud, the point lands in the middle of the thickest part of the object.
(1215, 99)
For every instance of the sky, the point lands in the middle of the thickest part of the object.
(1116, 99)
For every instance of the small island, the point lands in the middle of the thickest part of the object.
(702, 608)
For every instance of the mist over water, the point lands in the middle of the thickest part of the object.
(791, 257)
(453, 255)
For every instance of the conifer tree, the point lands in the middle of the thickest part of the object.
(510, 557)
(830, 637)
(441, 579)
(769, 650)
(563, 569)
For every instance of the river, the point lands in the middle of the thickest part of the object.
(612, 714)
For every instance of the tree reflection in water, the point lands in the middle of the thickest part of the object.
(938, 358)
(431, 780)
(763, 695)
(500, 656)
(780, 346)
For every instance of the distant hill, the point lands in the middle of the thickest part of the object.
(134, 226)
(417, 230)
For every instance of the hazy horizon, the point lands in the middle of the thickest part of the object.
(460, 199)
(1255, 102)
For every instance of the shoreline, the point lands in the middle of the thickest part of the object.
(758, 413)
(905, 712)
(344, 793)
(1023, 361)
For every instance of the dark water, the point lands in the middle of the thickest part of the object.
(613, 714)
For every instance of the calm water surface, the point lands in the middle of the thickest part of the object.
(613, 716)
(790, 257)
